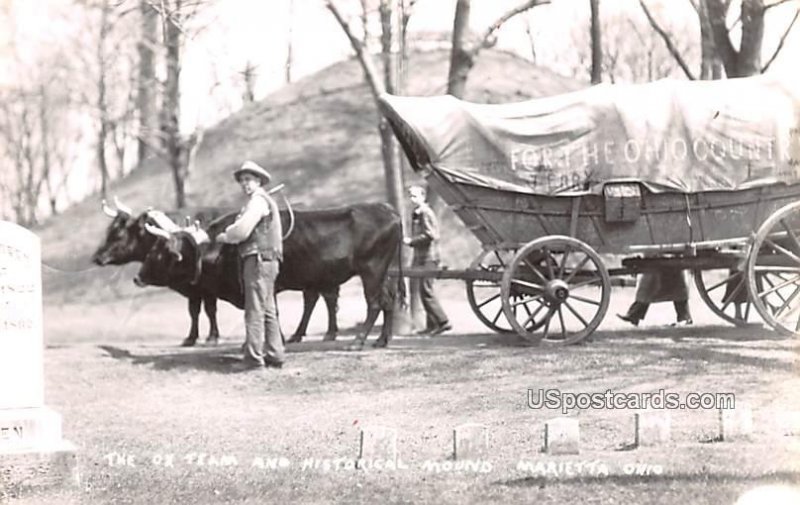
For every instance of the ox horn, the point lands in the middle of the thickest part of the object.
(108, 211)
(122, 207)
(155, 230)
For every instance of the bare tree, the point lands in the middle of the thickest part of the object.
(102, 104)
(464, 53)
(716, 36)
(175, 16)
(146, 104)
(289, 45)
(596, 72)
(36, 145)
(249, 75)
(377, 87)
(109, 86)
(673, 50)
(632, 50)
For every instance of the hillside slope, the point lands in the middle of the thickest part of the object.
(317, 135)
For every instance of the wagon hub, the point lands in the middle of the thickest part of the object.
(556, 291)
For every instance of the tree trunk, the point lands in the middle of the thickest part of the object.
(710, 64)
(145, 99)
(596, 72)
(461, 59)
(170, 112)
(102, 106)
(289, 46)
(389, 146)
(749, 58)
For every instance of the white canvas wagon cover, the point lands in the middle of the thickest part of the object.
(671, 135)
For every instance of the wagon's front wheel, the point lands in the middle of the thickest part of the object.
(555, 290)
(773, 270)
(484, 295)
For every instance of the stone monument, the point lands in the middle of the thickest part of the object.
(32, 450)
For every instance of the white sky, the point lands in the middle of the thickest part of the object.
(256, 31)
(240, 31)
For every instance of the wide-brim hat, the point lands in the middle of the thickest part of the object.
(252, 168)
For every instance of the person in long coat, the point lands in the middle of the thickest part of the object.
(667, 285)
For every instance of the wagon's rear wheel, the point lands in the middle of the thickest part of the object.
(725, 292)
(484, 295)
(773, 270)
(556, 290)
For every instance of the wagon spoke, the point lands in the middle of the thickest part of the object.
(778, 293)
(783, 250)
(584, 299)
(547, 258)
(563, 327)
(791, 311)
(721, 283)
(584, 261)
(776, 270)
(525, 301)
(548, 318)
(535, 270)
(733, 294)
(528, 284)
(791, 234)
(532, 317)
(490, 299)
(583, 321)
(593, 280)
(497, 316)
(787, 302)
(778, 286)
(564, 262)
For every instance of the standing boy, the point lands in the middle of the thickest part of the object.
(424, 239)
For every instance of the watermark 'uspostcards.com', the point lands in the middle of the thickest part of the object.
(555, 399)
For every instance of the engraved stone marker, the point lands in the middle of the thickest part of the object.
(31, 448)
(470, 442)
(378, 443)
(735, 424)
(653, 427)
(562, 436)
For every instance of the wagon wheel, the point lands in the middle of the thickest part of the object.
(773, 270)
(484, 295)
(726, 293)
(562, 286)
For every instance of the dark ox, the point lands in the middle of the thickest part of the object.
(127, 241)
(325, 249)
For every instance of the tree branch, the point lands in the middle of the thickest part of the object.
(668, 41)
(374, 82)
(781, 42)
(488, 39)
(779, 2)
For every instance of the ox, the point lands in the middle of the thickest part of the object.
(325, 249)
(127, 241)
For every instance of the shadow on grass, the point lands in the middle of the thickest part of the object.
(720, 478)
(219, 359)
(704, 345)
(224, 358)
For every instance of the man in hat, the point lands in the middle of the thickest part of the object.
(259, 238)
(424, 239)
